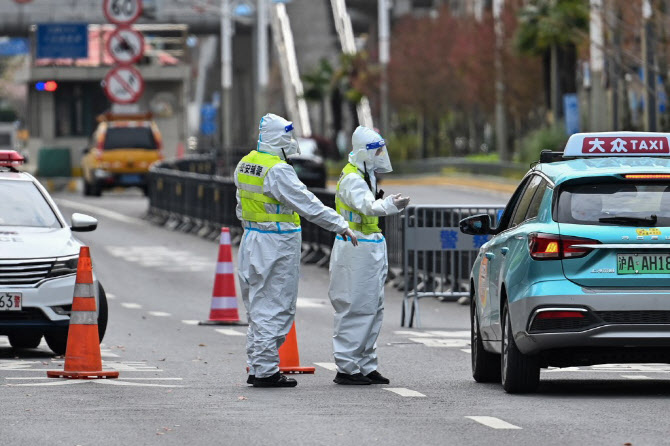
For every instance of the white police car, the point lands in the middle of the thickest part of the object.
(38, 262)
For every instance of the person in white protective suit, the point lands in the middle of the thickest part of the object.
(357, 276)
(270, 196)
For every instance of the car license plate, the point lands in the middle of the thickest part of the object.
(10, 302)
(643, 263)
(130, 179)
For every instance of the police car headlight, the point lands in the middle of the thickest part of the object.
(64, 266)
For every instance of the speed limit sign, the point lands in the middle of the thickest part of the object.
(124, 85)
(125, 45)
(122, 12)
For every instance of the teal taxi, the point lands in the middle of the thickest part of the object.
(577, 271)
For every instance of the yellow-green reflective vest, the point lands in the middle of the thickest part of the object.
(367, 225)
(251, 172)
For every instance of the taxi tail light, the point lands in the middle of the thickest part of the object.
(554, 247)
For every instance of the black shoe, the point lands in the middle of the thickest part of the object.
(250, 379)
(357, 379)
(276, 380)
(377, 378)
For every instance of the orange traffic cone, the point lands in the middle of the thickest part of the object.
(289, 358)
(82, 353)
(224, 297)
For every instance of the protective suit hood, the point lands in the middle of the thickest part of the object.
(276, 133)
(369, 151)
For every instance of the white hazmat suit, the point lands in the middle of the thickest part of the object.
(269, 254)
(357, 276)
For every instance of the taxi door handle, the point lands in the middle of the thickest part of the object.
(504, 250)
(489, 255)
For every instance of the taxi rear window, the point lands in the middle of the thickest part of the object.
(610, 203)
(129, 138)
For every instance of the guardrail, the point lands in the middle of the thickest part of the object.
(427, 255)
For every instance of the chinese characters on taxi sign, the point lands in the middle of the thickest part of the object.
(626, 145)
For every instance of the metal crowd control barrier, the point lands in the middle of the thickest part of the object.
(437, 257)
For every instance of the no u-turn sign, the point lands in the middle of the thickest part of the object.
(124, 85)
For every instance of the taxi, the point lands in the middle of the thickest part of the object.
(38, 262)
(577, 272)
(125, 147)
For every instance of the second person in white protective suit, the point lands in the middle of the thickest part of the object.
(357, 276)
(270, 196)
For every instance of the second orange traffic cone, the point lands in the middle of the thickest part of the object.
(224, 296)
(82, 354)
(289, 358)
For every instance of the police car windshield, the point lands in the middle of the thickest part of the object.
(129, 138)
(615, 203)
(22, 204)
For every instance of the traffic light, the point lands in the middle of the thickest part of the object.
(49, 86)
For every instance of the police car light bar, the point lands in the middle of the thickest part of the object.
(9, 158)
(618, 144)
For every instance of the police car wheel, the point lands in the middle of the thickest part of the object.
(485, 365)
(57, 341)
(520, 373)
(102, 311)
(25, 340)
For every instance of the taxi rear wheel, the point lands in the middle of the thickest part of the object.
(520, 373)
(485, 365)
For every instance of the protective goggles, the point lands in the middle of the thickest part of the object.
(375, 145)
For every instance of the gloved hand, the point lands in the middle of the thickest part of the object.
(350, 233)
(380, 194)
(400, 202)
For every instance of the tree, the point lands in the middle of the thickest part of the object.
(552, 29)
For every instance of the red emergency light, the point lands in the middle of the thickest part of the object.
(10, 158)
(49, 86)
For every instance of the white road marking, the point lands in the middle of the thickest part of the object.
(636, 377)
(327, 365)
(159, 314)
(413, 333)
(450, 334)
(131, 305)
(190, 322)
(111, 296)
(312, 303)
(493, 422)
(466, 350)
(163, 258)
(50, 383)
(124, 378)
(230, 332)
(101, 211)
(433, 342)
(404, 392)
(117, 382)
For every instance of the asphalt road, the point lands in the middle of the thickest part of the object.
(185, 384)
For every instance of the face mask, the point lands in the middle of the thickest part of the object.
(379, 156)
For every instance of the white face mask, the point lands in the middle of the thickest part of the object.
(379, 157)
(293, 148)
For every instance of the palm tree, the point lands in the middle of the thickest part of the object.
(554, 28)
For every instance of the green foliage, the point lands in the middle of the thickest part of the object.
(403, 146)
(318, 82)
(546, 138)
(545, 23)
(484, 158)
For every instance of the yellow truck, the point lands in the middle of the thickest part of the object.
(124, 146)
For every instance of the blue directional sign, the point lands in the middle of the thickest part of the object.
(571, 109)
(208, 114)
(13, 46)
(62, 41)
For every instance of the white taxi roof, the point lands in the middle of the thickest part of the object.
(618, 144)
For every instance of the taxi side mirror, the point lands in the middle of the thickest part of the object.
(476, 225)
(83, 223)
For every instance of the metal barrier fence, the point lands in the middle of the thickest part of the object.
(437, 257)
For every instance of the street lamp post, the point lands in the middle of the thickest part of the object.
(226, 76)
(384, 58)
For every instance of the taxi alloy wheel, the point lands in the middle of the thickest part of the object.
(485, 365)
(520, 373)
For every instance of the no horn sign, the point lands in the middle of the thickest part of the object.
(124, 85)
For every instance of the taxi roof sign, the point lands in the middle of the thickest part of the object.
(618, 144)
